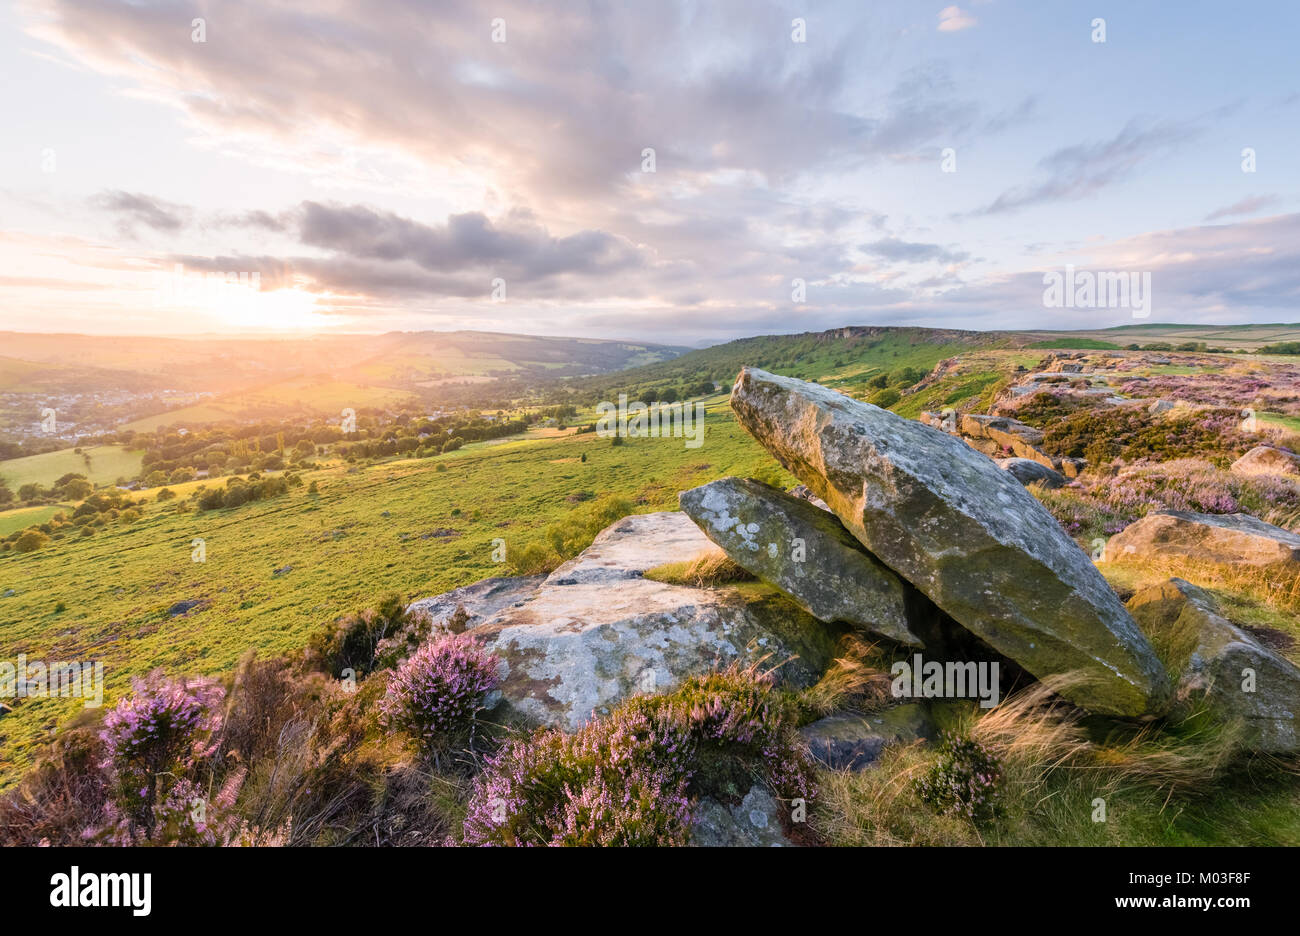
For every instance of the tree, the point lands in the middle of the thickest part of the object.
(77, 489)
(30, 541)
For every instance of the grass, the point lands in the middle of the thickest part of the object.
(102, 464)
(1068, 780)
(401, 526)
(703, 571)
(23, 517)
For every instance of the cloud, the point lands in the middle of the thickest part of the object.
(132, 208)
(1083, 169)
(1248, 205)
(954, 19)
(891, 248)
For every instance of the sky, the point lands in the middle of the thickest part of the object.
(660, 171)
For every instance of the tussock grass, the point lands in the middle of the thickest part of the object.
(854, 680)
(1275, 587)
(1186, 783)
(703, 571)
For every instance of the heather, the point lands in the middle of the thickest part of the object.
(435, 695)
(1131, 434)
(1099, 507)
(633, 777)
(962, 781)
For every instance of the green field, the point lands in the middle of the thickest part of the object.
(102, 464)
(368, 532)
(23, 517)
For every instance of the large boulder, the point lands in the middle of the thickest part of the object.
(596, 631)
(806, 553)
(1221, 667)
(1220, 539)
(1265, 459)
(964, 532)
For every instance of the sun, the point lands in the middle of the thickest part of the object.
(242, 308)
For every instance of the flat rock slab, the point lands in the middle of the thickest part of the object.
(480, 600)
(855, 742)
(632, 547)
(600, 633)
(806, 553)
(964, 532)
(1222, 539)
(1221, 666)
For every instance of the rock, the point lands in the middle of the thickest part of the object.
(801, 491)
(1073, 467)
(1160, 407)
(596, 632)
(479, 601)
(964, 532)
(183, 607)
(805, 552)
(633, 546)
(1265, 459)
(1221, 666)
(854, 742)
(753, 822)
(1029, 472)
(1222, 539)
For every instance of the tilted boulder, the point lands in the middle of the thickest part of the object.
(806, 553)
(1221, 666)
(1265, 459)
(962, 531)
(1221, 539)
(596, 631)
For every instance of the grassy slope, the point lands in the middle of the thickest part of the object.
(344, 552)
(107, 464)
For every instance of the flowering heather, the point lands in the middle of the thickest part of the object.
(963, 781)
(617, 781)
(159, 733)
(1278, 391)
(435, 694)
(633, 777)
(163, 723)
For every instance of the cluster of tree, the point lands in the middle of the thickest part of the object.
(70, 487)
(1282, 347)
(239, 491)
(97, 510)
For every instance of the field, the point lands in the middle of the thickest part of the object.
(402, 526)
(102, 464)
(1232, 337)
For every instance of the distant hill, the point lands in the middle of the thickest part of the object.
(216, 364)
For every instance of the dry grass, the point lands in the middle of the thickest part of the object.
(854, 680)
(1275, 587)
(706, 570)
(1055, 769)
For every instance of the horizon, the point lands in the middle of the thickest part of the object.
(712, 172)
